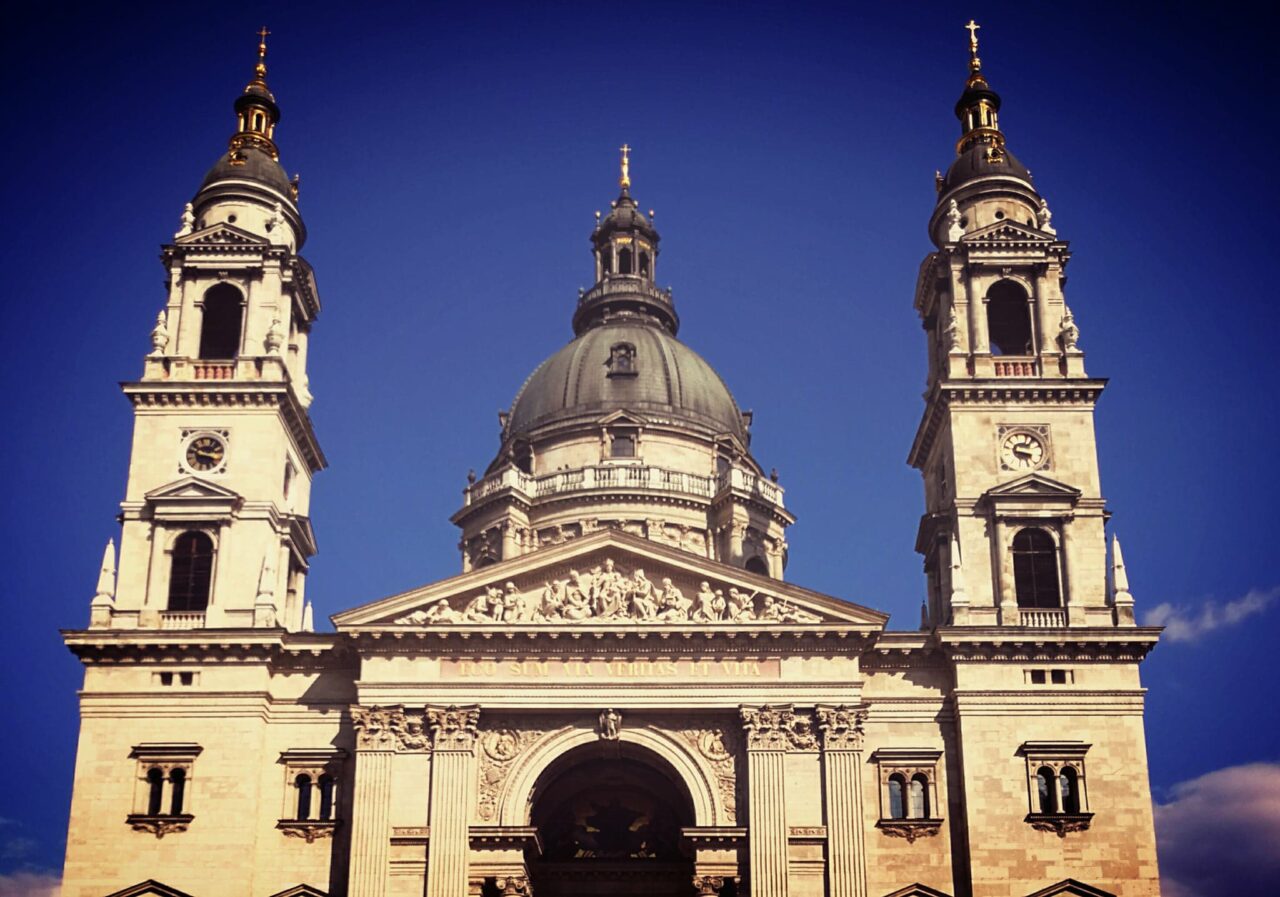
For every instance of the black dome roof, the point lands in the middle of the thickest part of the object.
(257, 166)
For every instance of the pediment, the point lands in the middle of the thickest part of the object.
(221, 234)
(1033, 486)
(301, 891)
(917, 890)
(1007, 232)
(191, 488)
(622, 416)
(609, 579)
(1069, 887)
(149, 888)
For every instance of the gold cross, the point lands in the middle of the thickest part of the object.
(264, 32)
(625, 180)
(972, 28)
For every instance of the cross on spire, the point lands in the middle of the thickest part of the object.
(974, 62)
(625, 180)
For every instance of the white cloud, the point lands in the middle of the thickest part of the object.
(1218, 834)
(1182, 624)
(30, 884)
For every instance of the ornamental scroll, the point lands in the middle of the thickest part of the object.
(389, 729)
(778, 727)
(606, 594)
(841, 727)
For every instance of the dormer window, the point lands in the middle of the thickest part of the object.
(622, 444)
(622, 360)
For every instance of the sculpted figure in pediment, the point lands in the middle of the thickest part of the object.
(643, 598)
(705, 610)
(674, 606)
(742, 607)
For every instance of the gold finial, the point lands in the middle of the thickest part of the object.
(260, 70)
(625, 181)
(975, 64)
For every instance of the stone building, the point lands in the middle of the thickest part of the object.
(619, 693)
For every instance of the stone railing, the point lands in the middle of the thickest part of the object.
(624, 476)
(1016, 367)
(1043, 619)
(258, 367)
(182, 619)
(621, 283)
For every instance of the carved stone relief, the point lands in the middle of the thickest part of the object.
(501, 742)
(718, 746)
(453, 728)
(389, 729)
(778, 727)
(841, 727)
(606, 593)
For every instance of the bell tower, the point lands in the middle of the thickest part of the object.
(215, 527)
(1013, 531)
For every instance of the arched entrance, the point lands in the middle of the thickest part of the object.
(609, 816)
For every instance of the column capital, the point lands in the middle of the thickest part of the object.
(453, 728)
(389, 729)
(778, 727)
(841, 726)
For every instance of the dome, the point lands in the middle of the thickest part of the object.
(973, 164)
(669, 380)
(258, 166)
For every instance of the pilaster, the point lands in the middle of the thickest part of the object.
(771, 732)
(453, 734)
(842, 730)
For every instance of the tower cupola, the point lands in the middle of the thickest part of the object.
(625, 246)
(979, 106)
(256, 109)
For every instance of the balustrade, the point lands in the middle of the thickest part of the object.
(1016, 367)
(181, 619)
(1043, 619)
(624, 476)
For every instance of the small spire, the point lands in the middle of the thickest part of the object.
(975, 64)
(625, 180)
(256, 110)
(308, 618)
(959, 590)
(107, 575)
(1119, 576)
(260, 70)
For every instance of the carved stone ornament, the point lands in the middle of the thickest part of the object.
(389, 729)
(610, 723)
(1060, 823)
(160, 334)
(515, 886)
(159, 825)
(500, 744)
(308, 830)
(778, 728)
(841, 727)
(453, 728)
(708, 885)
(911, 829)
(718, 747)
(606, 594)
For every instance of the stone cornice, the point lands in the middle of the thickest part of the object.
(996, 393)
(233, 394)
(982, 643)
(274, 646)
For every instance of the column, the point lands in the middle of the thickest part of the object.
(453, 732)
(841, 729)
(771, 732)
(380, 732)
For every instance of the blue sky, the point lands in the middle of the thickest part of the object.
(452, 157)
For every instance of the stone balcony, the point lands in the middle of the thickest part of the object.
(625, 478)
(181, 369)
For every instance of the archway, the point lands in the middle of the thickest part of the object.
(609, 816)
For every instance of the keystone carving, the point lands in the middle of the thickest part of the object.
(708, 885)
(911, 829)
(453, 728)
(159, 825)
(389, 729)
(1060, 823)
(778, 728)
(841, 727)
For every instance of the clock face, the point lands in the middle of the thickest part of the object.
(205, 453)
(1022, 451)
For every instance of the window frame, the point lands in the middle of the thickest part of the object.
(316, 765)
(1057, 757)
(176, 792)
(909, 766)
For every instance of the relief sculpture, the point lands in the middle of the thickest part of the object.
(606, 594)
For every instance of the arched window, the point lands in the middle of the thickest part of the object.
(303, 784)
(897, 796)
(191, 572)
(644, 263)
(1044, 790)
(522, 456)
(606, 262)
(486, 561)
(155, 790)
(1035, 569)
(327, 785)
(919, 797)
(1069, 790)
(1008, 319)
(624, 261)
(220, 331)
(178, 783)
(756, 565)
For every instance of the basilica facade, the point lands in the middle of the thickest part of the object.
(619, 692)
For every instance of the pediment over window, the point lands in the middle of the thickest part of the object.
(624, 418)
(221, 234)
(192, 497)
(609, 580)
(1007, 232)
(149, 888)
(301, 891)
(917, 890)
(1034, 487)
(1069, 887)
